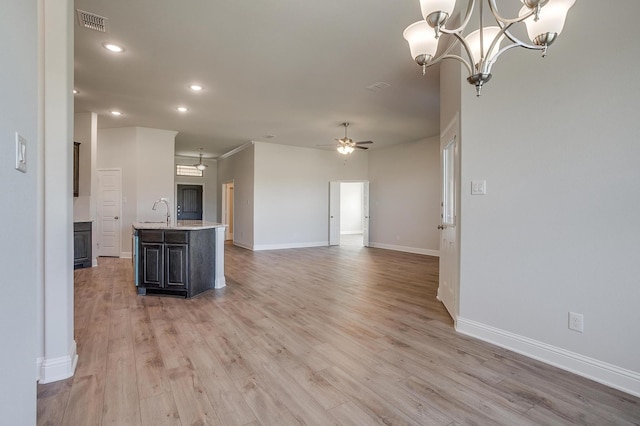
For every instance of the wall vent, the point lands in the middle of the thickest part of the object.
(92, 21)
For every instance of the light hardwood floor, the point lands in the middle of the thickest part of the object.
(318, 336)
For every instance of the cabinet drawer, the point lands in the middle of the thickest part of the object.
(176, 237)
(151, 236)
(82, 226)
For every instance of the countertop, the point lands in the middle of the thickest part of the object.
(182, 225)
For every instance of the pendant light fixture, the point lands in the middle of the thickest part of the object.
(544, 20)
(200, 166)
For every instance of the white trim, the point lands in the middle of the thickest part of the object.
(238, 149)
(125, 255)
(54, 369)
(94, 262)
(415, 250)
(599, 371)
(244, 246)
(289, 245)
(351, 232)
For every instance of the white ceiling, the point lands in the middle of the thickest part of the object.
(289, 68)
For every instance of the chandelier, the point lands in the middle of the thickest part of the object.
(544, 20)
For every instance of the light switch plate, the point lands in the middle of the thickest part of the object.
(478, 187)
(21, 153)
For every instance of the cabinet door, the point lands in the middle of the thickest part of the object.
(176, 266)
(152, 262)
(81, 246)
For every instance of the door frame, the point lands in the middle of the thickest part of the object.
(99, 211)
(224, 209)
(334, 211)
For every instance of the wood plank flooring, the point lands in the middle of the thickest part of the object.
(319, 336)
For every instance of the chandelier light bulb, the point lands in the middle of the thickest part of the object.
(479, 53)
(422, 43)
(550, 22)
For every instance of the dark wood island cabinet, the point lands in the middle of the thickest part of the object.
(176, 261)
(82, 252)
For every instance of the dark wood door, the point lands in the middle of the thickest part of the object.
(189, 202)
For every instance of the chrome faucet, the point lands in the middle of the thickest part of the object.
(166, 203)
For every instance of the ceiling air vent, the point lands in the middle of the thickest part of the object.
(92, 21)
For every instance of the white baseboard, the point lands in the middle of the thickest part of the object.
(289, 245)
(94, 262)
(54, 369)
(350, 232)
(125, 255)
(599, 371)
(414, 250)
(244, 246)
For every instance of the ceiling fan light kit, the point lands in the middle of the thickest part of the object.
(346, 145)
(544, 20)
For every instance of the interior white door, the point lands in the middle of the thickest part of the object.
(334, 213)
(365, 214)
(109, 212)
(448, 287)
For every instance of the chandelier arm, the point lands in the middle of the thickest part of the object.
(467, 49)
(502, 20)
(520, 42)
(467, 18)
(459, 58)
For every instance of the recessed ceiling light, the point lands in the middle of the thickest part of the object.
(116, 113)
(113, 47)
(195, 87)
(182, 109)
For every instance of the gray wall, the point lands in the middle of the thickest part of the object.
(209, 181)
(292, 193)
(405, 196)
(19, 104)
(239, 168)
(558, 142)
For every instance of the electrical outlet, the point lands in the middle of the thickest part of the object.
(576, 322)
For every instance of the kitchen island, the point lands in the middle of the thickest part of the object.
(182, 259)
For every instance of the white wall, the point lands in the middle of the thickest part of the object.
(558, 142)
(59, 358)
(19, 282)
(209, 181)
(239, 168)
(85, 128)
(351, 207)
(292, 193)
(146, 158)
(155, 172)
(405, 197)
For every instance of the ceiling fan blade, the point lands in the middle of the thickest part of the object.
(363, 142)
(360, 147)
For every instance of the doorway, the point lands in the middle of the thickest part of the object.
(189, 202)
(109, 211)
(227, 209)
(349, 213)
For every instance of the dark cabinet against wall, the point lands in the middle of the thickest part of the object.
(81, 245)
(76, 169)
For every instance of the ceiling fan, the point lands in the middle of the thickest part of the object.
(346, 145)
(200, 166)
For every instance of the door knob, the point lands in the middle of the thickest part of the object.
(116, 218)
(441, 226)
